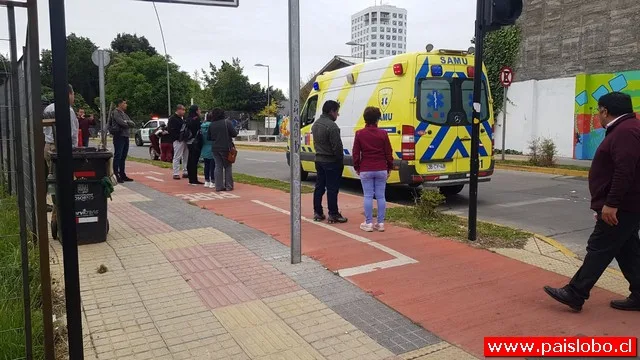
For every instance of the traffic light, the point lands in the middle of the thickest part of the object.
(499, 13)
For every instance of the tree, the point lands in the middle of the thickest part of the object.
(82, 73)
(127, 43)
(229, 87)
(141, 80)
(500, 49)
(269, 110)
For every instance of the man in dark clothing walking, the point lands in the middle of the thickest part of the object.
(329, 162)
(614, 183)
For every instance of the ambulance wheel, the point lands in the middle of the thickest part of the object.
(304, 175)
(451, 190)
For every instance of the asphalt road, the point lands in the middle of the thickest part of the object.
(549, 205)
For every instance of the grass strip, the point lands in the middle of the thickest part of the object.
(455, 227)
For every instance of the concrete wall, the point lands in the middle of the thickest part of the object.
(562, 38)
(540, 109)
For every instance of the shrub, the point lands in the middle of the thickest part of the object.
(542, 152)
(428, 202)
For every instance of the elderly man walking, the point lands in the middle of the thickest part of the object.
(614, 182)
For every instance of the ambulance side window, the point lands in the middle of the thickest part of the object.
(309, 112)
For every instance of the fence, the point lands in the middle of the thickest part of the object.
(26, 330)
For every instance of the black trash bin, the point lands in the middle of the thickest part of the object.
(90, 170)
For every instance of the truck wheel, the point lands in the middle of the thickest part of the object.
(451, 190)
(139, 141)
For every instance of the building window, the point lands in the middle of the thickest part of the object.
(394, 37)
(388, 44)
(395, 15)
(393, 45)
(400, 31)
(373, 44)
(374, 36)
(388, 29)
(399, 37)
(388, 52)
(393, 52)
(388, 37)
(395, 23)
(400, 16)
(373, 52)
(395, 30)
(374, 29)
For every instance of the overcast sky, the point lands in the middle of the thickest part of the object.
(255, 32)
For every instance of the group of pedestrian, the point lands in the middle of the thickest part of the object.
(193, 138)
(372, 161)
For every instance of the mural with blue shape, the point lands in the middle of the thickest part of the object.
(589, 88)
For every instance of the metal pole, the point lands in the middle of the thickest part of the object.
(364, 50)
(294, 127)
(103, 105)
(164, 44)
(40, 178)
(475, 133)
(504, 121)
(17, 121)
(64, 178)
(268, 86)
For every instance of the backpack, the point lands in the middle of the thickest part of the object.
(113, 127)
(185, 133)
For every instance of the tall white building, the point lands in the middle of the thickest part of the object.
(383, 29)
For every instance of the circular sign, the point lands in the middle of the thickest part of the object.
(95, 57)
(506, 76)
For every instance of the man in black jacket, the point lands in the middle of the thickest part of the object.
(180, 148)
(614, 183)
(329, 162)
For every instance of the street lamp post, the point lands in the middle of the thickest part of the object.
(164, 44)
(268, 83)
(364, 48)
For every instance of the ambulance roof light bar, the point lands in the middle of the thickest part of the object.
(453, 52)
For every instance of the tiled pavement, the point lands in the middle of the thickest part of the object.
(183, 283)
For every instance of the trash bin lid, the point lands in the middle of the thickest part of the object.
(87, 153)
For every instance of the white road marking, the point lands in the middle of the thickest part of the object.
(531, 202)
(262, 161)
(208, 196)
(154, 178)
(145, 173)
(400, 259)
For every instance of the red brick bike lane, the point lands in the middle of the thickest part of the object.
(456, 291)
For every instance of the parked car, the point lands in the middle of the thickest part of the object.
(142, 134)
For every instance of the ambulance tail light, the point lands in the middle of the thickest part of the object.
(398, 69)
(471, 71)
(408, 143)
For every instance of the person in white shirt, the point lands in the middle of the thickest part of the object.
(49, 113)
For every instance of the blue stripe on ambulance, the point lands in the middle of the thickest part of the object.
(457, 146)
(437, 140)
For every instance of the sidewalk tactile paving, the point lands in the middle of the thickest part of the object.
(268, 339)
(210, 279)
(245, 315)
(226, 295)
(199, 264)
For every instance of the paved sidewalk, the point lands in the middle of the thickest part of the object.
(458, 292)
(183, 283)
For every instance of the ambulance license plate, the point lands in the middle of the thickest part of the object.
(436, 167)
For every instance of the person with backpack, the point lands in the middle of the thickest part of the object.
(119, 125)
(207, 153)
(194, 142)
(179, 133)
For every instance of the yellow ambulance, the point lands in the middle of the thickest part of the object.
(426, 104)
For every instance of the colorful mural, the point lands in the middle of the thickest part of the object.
(589, 89)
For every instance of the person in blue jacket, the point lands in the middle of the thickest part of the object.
(207, 153)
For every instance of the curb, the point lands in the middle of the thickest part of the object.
(543, 170)
(563, 249)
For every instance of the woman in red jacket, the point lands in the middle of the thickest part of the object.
(373, 161)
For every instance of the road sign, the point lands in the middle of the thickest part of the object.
(506, 76)
(228, 3)
(106, 58)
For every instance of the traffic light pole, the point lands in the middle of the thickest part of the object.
(475, 132)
